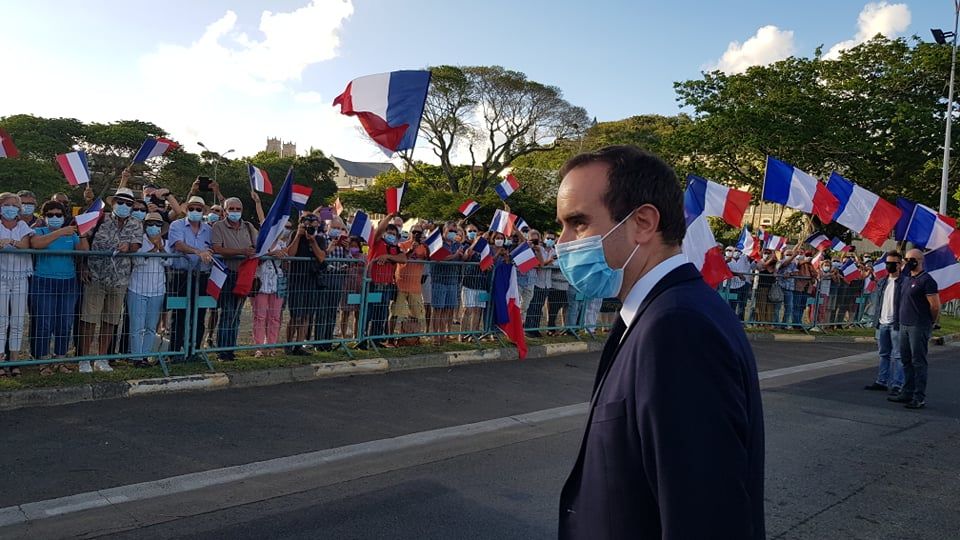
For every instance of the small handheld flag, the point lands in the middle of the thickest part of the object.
(7, 149)
(394, 196)
(88, 220)
(850, 271)
(839, 246)
(524, 259)
(819, 241)
(218, 276)
(300, 196)
(337, 206)
(435, 247)
(469, 207)
(259, 180)
(154, 147)
(748, 244)
(362, 227)
(483, 249)
(502, 222)
(880, 268)
(74, 167)
(507, 187)
(519, 224)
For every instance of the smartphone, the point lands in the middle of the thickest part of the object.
(204, 183)
(156, 200)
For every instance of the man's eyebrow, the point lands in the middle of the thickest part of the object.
(576, 216)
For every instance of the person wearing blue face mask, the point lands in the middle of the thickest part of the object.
(385, 254)
(233, 239)
(674, 438)
(28, 209)
(191, 237)
(139, 211)
(146, 290)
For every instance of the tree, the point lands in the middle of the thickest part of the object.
(496, 115)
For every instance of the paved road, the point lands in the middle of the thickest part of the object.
(842, 463)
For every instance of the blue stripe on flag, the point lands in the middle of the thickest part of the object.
(405, 101)
(842, 189)
(777, 180)
(695, 197)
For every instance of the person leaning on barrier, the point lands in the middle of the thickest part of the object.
(331, 282)
(15, 271)
(739, 284)
(352, 285)
(805, 285)
(385, 254)
(475, 283)
(445, 282)
(55, 287)
(147, 290)
(190, 237)
(309, 247)
(786, 279)
(763, 308)
(408, 308)
(233, 239)
(106, 277)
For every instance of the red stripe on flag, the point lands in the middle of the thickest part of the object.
(882, 220)
(514, 328)
(715, 268)
(67, 169)
(393, 204)
(735, 207)
(825, 203)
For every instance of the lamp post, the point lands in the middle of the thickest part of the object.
(219, 156)
(941, 37)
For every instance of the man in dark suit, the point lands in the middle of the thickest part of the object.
(673, 446)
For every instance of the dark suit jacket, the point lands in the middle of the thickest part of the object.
(673, 446)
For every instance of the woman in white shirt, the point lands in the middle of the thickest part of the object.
(146, 291)
(15, 271)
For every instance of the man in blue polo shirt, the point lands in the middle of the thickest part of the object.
(919, 310)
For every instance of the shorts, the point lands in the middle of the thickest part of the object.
(409, 305)
(446, 296)
(102, 304)
(427, 292)
(471, 298)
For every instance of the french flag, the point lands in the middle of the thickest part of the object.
(394, 196)
(930, 230)
(86, 221)
(715, 200)
(259, 179)
(435, 247)
(218, 276)
(507, 187)
(362, 227)
(7, 149)
(748, 244)
(388, 105)
(861, 211)
(850, 271)
(502, 222)
(524, 258)
(871, 284)
(700, 246)
(74, 167)
(819, 241)
(469, 207)
(942, 266)
(486, 256)
(300, 195)
(839, 246)
(774, 242)
(785, 184)
(154, 147)
(506, 306)
(880, 268)
(519, 224)
(277, 217)
(817, 259)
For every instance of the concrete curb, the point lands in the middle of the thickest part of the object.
(810, 338)
(47, 397)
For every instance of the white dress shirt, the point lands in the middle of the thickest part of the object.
(644, 285)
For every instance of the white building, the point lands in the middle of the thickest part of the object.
(358, 175)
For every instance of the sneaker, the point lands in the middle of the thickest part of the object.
(875, 386)
(916, 404)
(900, 398)
(102, 365)
(894, 391)
(85, 367)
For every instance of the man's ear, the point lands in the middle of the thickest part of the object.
(646, 220)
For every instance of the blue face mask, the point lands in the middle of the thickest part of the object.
(28, 210)
(194, 215)
(213, 218)
(508, 242)
(390, 238)
(138, 214)
(234, 216)
(549, 242)
(334, 233)
(55, 222)
(122, 211)
(153, 230)
(451, 236)
(10, 212)
(471, 235)
(584, 265)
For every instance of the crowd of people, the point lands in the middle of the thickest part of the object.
(795, 287)
(161, 249)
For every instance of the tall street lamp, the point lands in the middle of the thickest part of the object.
(941, 37)
(220, 156)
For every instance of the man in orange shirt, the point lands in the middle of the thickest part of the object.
(408, 307)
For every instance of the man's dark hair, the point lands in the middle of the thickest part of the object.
(392, 227)
(53, 205)
(636, 177)
(894, 254)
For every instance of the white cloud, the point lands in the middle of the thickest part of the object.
(882, 18)
(768, 45)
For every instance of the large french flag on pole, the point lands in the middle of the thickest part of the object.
(362, 227)
(154, 147)
(747, 243)
(700, 246)
(928, 229)
(388, 105)
(74, 167)
(524, 259)
(7, 149)
(942, 266)
(394, 196)
(507, 187)
(506, 306)
(861, 211)
(86, 221)
(277, 217)
(716, 200)
(259, 180)
(785, 184)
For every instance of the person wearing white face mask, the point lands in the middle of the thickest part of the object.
(674, 440)
(738, 285)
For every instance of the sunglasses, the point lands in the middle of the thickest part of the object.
(910, 260)
(53, 214)
(157, 223)
(122, 202)
(195, 209)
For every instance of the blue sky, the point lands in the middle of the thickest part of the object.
(231, 81)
